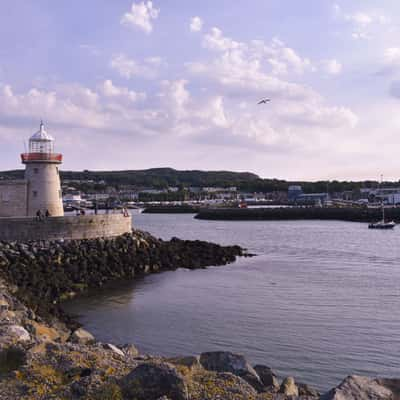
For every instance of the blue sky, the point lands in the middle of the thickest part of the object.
(132, 85)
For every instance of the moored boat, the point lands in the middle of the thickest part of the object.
(382, 225)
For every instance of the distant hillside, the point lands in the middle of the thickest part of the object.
(155, 177)
(163, 177)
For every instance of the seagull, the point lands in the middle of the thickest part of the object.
(264, 101)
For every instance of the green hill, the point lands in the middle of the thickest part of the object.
(155, 177)
(161, 178)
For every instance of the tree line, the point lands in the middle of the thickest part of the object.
(162, 178)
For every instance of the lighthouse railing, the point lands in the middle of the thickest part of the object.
(54, 157)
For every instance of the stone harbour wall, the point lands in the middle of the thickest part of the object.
(13, 198)
(69, 227)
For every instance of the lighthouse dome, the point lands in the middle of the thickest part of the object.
(41, 135)
(41, 141)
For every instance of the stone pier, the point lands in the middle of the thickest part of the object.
(67, 227)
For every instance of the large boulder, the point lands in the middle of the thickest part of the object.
(82, 336)
(220, 386)
(224, 361)
(191, 363)
(150, 381)
(308, 391)
(19, 333)
(364, 388)
(130, 350)
(44, 332)
(11, 359)
(289, 387)
(267, 376)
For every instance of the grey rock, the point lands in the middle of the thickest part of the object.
(191, 362)
(4, 305)
(267, 376)
(130, 350)
(306, 390)
(224, 361)
(19, 333)
(115, 349)
(11, 359)
(78, 389)
(289, 387)
(150, 381)
(230, 387)
(364, 388)
(82, 336)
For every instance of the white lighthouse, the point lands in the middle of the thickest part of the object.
(42, 175)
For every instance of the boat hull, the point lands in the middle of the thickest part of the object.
(381, 225)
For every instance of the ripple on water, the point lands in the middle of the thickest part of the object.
(321, 300)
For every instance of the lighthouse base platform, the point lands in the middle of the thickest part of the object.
(25, 229)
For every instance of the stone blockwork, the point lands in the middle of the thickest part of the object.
(13, 194)
(70, 227)
(44, 188)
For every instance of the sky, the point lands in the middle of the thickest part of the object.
(168, 83)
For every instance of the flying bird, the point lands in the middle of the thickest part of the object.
(264, 101)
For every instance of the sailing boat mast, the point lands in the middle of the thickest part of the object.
(382, 224)
(382, 204)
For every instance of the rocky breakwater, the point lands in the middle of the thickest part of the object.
(45, 273)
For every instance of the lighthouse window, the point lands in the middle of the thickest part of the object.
(35, 170)
(34, 193)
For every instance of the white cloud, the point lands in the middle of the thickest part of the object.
(391, 56)
(110, 90)
(288, 56)
(156, 61)
(175, 97)
(282, 59)
(359, 18)
(129, 68)
(332, 67)
(362, 22)
(235, 76)
(360, 35)
(215, 40)
(141, 16)
(71, 105)
(175, 113)
(296, 114)
(196, 24)
(250, 68)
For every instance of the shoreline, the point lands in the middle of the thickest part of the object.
(44, 356)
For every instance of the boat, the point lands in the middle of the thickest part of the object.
(382, 224)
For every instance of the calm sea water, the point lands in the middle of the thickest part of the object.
(320, 301)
